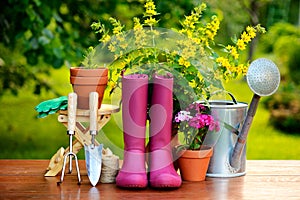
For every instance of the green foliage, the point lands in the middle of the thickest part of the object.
(285, 108)
(294, 59)
(283, 40)
(15, 74)
(277, 31)
(287, 49)
(37, 34)
(88, 59)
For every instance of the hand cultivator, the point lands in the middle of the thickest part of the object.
(72, 107)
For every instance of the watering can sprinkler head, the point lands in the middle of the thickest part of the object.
(263, 78)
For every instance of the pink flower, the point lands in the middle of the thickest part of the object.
(197, 117)
(183, 116)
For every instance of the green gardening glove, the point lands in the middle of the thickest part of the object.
(52, 106)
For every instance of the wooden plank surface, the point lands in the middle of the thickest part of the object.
(265, 179)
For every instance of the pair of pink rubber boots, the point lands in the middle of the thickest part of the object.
(134, 113)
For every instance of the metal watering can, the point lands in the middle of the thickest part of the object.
(229, 152)
(230, 116)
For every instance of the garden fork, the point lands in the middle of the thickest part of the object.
(72, 106)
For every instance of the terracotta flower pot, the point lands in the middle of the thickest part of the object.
(84, 81)
(193, 165)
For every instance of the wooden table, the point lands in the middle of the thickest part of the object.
(265, 179)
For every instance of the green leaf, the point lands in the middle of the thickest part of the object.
(47, 33)
(43, 40)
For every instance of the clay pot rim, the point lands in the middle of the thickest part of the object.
(135, 76)
(206, 152)
(78, 80)
(81, 71)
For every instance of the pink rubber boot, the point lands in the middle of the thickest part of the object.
(134, 114)
(162, 172)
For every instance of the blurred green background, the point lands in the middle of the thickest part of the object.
(40, 40)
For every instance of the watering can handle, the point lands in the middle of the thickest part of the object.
(231, 95)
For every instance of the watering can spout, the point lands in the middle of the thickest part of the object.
(263, 78)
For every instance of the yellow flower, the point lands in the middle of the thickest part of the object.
(196, 40)
(215, 22)
(137, 25)
(239, 70)
(245, 37)
(120, 38)
(244, 69)
(111, 47)
(181, 61)
(203, 6)
(96, 25)
(187, 64)
(124, 45)
(251, 31)
(184, 62)
(233, 51)
(150, 8)
(117, 30)
(151, 12)
(241, 44)
(190, 20)
(149, 5)
(223, 62)
(117, 26)
(150, 21)
(211, 29)
(219, 59)
(229, 47)
(188, 51)
(226, 76)
(204, 41)
(112, 84)
(105, 38)
(189, 33)
(209, 34)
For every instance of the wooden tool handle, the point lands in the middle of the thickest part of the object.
(72, 106)
(93, 110)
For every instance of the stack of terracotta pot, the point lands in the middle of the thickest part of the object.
(84, 81)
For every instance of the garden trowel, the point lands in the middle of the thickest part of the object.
(93, 152)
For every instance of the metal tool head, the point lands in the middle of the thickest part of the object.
(93, 153)
(263, 77)
(93, 159)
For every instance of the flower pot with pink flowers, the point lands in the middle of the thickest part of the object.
(194, 123)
